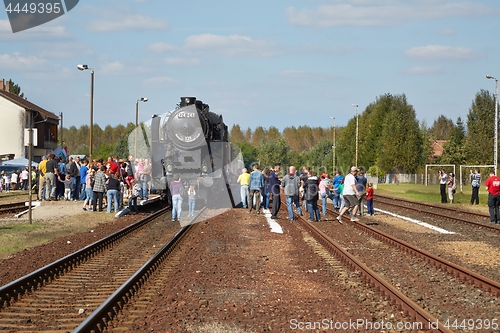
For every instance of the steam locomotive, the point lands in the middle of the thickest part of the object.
(193, 142)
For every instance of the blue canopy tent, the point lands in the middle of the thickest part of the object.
(21, 161)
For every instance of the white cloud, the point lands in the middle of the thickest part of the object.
(303, 75)
(45, 31)
(63, 50)
(231, 46)
(32, 67)
(159, 81)
(19, 62)
(384, 13)
(110, 68)
(447, 32)
(5, 27)
(182, 61)
(123, 20)
(291, 73)
(422, 70)
(442, 53)
(162, 47)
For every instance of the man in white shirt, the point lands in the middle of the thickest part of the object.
(14, 178)
(351, 195)
(24, 177)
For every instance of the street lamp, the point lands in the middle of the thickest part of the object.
(142, 99)
(82, 68)
(334, 146)
(495, 154)
(357, 126)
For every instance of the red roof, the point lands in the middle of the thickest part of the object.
(437, 147)
(28, 105)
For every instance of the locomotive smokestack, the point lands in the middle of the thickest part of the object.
(185, 101)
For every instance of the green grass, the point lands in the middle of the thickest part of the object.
(18, 236)
(429, 193)
(15, 236)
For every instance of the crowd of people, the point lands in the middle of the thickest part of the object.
(303, 190)
(17, 180)
(96, 183)
(448, 186)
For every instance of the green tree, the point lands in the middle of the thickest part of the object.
(103, 151)
(371, 124)
(249, 153)
(319, 158)
(273, 134)
(258, 136)
(427, 149)
(276, 151)
(122, 149)
(248, 135)
(401, 146)
(480, 129)
(441, 128)
(15, 89)
(235, 134)
(454, 149)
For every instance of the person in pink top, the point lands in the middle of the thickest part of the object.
(493, 188)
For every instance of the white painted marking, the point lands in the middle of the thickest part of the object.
(275, 227)
(423, 224)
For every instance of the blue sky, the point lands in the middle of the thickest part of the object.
(258, 63)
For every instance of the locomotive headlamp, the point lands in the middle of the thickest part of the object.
(169, 168)
(207, 181)
(204, 169)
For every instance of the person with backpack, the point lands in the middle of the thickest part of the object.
(476, 183)
(337, 181)
(291, 184)
(312, 196)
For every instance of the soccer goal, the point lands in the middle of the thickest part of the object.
(428, 166)
(471, 167)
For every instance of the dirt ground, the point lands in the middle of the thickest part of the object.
(59, 228)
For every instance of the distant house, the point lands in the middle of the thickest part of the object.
(14, 112)
(437, 149)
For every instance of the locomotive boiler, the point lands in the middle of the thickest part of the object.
(192, 141)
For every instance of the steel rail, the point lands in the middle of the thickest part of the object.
(396, 203)
(449, 267)
(408, 307)
(37, 279)
(14, 207)
(98, 320)
(433, 206)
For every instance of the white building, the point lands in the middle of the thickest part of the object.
(14, 112)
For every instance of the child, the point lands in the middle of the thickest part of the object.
(369, 199)
(67, 187)
(132, 199)
(6, 180)
(89, 193)
(191, 200)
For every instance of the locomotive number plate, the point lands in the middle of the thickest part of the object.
(187, 138)
(186, 115)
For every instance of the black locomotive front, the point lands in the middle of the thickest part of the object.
(192, 142)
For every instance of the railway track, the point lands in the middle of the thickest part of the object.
(476, 220)
(100, 277)
(13, 208)
(409, 307)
